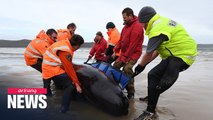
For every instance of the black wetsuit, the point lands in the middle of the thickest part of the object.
(162, 76)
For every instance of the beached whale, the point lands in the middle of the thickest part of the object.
(102, 91)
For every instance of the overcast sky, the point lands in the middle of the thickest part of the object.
(23, 19)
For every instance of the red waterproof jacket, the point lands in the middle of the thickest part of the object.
(99, 50)
(130, 43)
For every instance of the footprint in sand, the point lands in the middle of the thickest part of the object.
(163, 113)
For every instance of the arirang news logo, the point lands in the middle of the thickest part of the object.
(26, 98)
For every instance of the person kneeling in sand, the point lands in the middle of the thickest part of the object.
(57, 65)
(176, 48)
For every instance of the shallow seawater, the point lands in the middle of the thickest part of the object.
(188, 99)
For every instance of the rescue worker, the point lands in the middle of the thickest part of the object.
(98, 49)
(176, 48)
(33, 54)
(57, 65)
(130, 44)
(66, 34)
(113, 38)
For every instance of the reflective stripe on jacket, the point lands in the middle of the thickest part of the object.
(180, 44)
(52, 65)
(36, 48)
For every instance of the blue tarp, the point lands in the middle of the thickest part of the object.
(120, 77)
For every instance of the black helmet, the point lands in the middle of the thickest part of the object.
(145, 14)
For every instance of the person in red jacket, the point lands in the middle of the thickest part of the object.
(130, 44)
(99, 48)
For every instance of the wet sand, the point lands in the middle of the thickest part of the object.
(188, 99)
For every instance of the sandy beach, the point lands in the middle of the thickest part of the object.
(188, 99)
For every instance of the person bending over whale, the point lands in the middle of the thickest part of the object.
(57, 65)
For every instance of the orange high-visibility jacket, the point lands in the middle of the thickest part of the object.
(52, 65)
(63, 34)
(36, 48)
(114, 37)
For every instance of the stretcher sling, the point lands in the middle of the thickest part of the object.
(120, 77)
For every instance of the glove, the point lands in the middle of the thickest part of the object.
(139, 69)
(88, 59)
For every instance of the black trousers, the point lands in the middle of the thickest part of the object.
(110, 60)
(38, 65)
(162, 77)
(109, 52)
(65, 82)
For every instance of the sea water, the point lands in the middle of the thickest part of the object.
(189, 98)
(13, 58)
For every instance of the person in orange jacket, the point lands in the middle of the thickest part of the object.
(66, 34)
(113, 38)
(57, 65)
(98, 48)
(33, 54)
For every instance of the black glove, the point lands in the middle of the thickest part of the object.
(87, 60)
(139, 69)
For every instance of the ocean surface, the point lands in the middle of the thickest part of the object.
(14, 56)
(190, 98)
